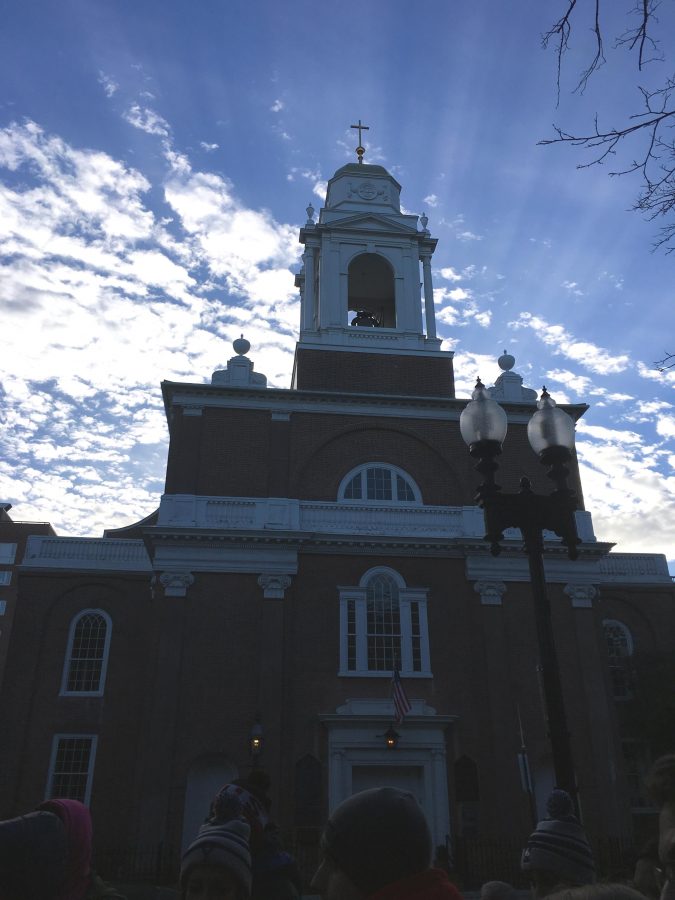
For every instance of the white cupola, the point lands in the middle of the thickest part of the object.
(363, 266)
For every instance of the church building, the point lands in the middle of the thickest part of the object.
(311, 540)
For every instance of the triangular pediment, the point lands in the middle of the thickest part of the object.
(371, 222)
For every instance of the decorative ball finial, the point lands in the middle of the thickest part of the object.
(424, 221)
(241, 345)
(310, 214)
(506, 361)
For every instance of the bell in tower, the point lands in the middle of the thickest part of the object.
(362, 310)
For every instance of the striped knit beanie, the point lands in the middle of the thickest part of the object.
(224, 845)
(559, 846)
(236, 800)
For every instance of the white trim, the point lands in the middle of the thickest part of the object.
(5, 577)
(90, 769)
(382, 570)
(64, 692)
(355, 738)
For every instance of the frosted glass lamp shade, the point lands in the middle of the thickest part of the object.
(550, 426)
(482, 419)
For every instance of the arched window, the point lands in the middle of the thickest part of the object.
(371, 290)
(619, 643)
(384, 625)
(87, 654)
(379, 482)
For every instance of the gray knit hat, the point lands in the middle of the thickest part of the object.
(498, 890)
(377, 837)
(224, 844)
(559, 845)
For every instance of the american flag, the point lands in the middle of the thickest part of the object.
(401, 702)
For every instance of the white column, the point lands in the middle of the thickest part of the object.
(309, 299)
(428, 295)
(441, 823)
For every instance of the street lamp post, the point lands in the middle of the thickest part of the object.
(550, 431)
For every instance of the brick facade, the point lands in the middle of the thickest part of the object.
(230, 605)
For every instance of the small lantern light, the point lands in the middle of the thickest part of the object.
(482, 420)
(391, 737)
(256, 739)
(550, 426)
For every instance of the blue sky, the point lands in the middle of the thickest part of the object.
(156, 160)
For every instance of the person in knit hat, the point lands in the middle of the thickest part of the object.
(217, 864)
(498, 890)
(275, 873)
(377, 844)
(558, 854)
(46, 855)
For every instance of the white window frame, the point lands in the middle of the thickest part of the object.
(7, 553)
(406, 596)
(395, 470)
(64, 692)
(90, 769)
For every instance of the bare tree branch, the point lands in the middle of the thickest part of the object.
(655, 160)
(668, 362)
(561, 30)
(639, 36)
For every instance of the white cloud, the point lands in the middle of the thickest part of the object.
(277, 106)
(208, 148)
(431, 200)
(114, 297)
(108, 84)
(594, 358)
(573, 288)
(580, 384)
(147, 120)
(459, 293)
(651, 372)
(665, 426)
(615, 280)
(609, 435)
(468, 236)
(450, 274)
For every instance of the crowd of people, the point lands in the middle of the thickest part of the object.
(376, 845)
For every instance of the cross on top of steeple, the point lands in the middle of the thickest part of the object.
(360, 150)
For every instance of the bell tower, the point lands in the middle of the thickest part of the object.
(367, 326)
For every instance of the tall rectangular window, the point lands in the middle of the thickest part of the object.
(5, 578)
(7, 553)
(351, 635)
(383, 624)
(415, 636)
(72, 767)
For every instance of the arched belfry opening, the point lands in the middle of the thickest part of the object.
(371, 292)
